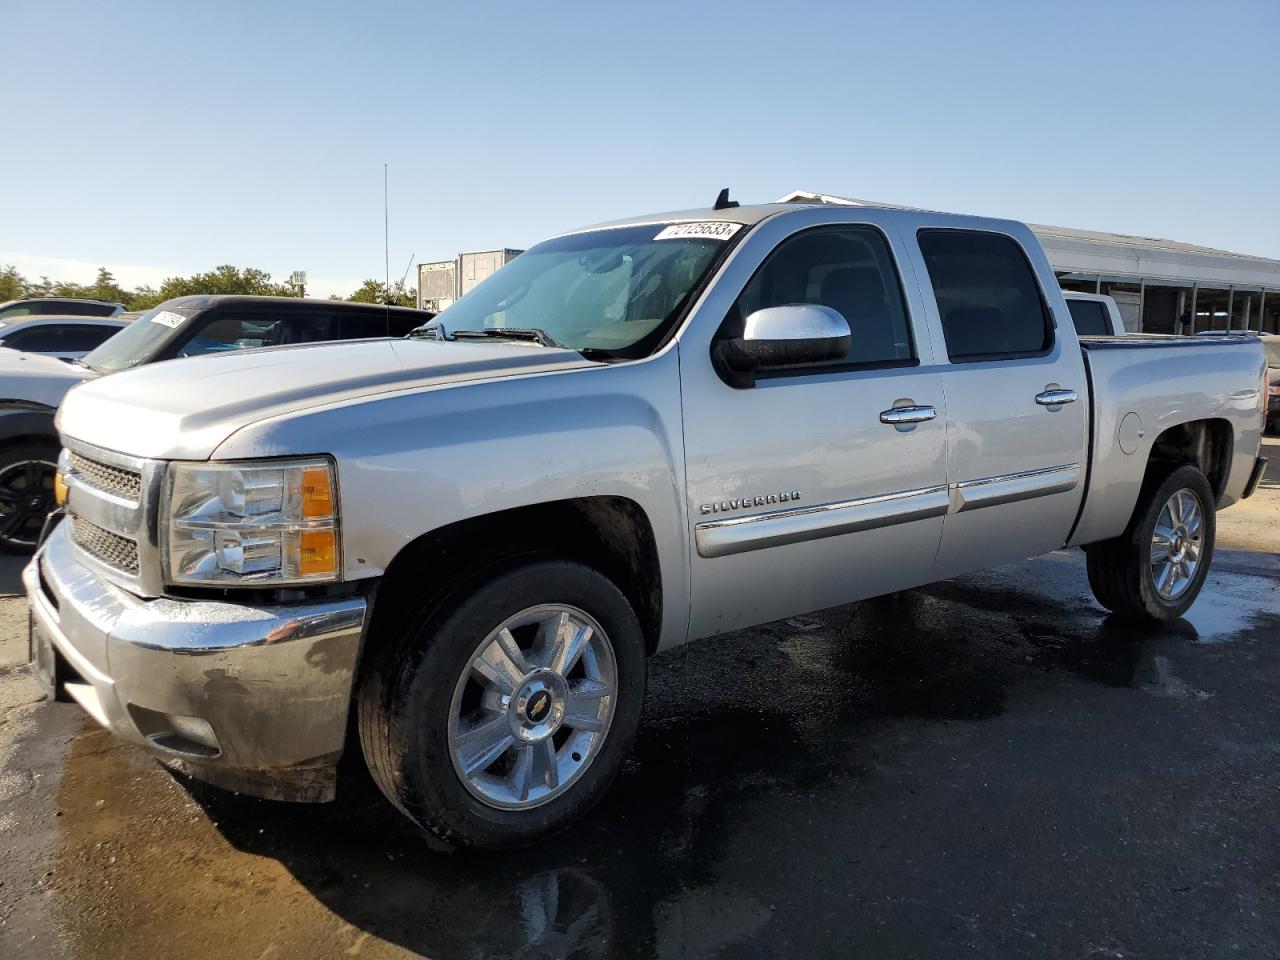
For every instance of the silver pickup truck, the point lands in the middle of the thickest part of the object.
(454, 555)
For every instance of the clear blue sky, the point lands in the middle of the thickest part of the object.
(166, 137)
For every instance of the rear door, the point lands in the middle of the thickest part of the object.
(1016, 398)
(803, 492)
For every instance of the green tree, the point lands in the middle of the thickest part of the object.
(106, 288)
(44, 288)
(375, 291)
(225, 279)
(144, 298)
(12, 284)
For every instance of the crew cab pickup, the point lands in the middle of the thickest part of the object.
(32, 386)
(635, 435)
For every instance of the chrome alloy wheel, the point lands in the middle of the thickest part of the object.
(532, 710)
(1176, 544)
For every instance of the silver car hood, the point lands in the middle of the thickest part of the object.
(31, 378)
(183, 409)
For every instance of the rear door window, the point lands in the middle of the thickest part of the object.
(88, 309)
(1090, 317)
(988, 298)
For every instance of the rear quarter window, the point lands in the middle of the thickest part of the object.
(1089, 317)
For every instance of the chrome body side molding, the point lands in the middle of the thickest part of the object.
(722, 538)
(991, 491)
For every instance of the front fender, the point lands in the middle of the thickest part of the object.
(24, 419)
(413, 462)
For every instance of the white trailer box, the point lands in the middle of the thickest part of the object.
(475, 267)
(437, 285)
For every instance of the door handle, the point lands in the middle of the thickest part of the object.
(1055, 398)
(900, 415)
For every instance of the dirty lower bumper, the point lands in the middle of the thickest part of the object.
(249, 697)
(1259, 470)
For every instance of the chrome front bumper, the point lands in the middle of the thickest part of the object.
(251, 697)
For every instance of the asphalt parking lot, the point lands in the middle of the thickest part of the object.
(987, 767)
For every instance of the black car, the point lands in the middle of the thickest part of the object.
(33, 386)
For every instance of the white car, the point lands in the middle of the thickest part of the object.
(1094, 314)
(63, 337)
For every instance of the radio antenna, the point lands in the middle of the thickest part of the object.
(386, 232)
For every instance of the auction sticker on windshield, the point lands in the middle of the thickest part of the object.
(704, 230)
(169, 319)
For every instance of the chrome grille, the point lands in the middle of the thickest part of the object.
(105, 546)
(117, 481)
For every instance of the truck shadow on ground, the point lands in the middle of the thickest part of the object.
(760, 751)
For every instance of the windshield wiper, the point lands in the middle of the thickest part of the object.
(533, 334)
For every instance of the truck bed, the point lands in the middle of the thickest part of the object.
(1142, 385)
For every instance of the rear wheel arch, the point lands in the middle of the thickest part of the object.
(1204, 444)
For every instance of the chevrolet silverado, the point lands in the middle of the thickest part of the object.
(455, 555)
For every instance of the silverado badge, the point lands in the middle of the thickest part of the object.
(742, 503)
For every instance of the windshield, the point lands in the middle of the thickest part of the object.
(139, 341)
(1273, 353)
(613, 292)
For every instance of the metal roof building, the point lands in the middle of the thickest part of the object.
(1160, 285)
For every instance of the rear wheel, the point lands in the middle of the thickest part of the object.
(1156, 568)
(26, 493)
(504, 714)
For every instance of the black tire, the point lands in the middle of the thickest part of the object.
(1120, 570)
(405, 697)
(26, 493)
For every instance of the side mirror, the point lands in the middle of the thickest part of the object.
(785, 336)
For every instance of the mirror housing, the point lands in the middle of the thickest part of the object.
(790, 335)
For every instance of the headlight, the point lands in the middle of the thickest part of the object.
(264, 523)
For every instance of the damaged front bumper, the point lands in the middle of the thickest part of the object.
(252, 698)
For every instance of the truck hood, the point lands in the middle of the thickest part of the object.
(31, 378)
(183, 409)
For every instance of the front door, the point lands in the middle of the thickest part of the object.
(814, 486)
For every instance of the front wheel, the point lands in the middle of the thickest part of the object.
(504, 714)
(1156, 568)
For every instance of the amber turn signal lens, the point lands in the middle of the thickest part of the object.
(317, 552)
(59, 489)
(317, 493)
